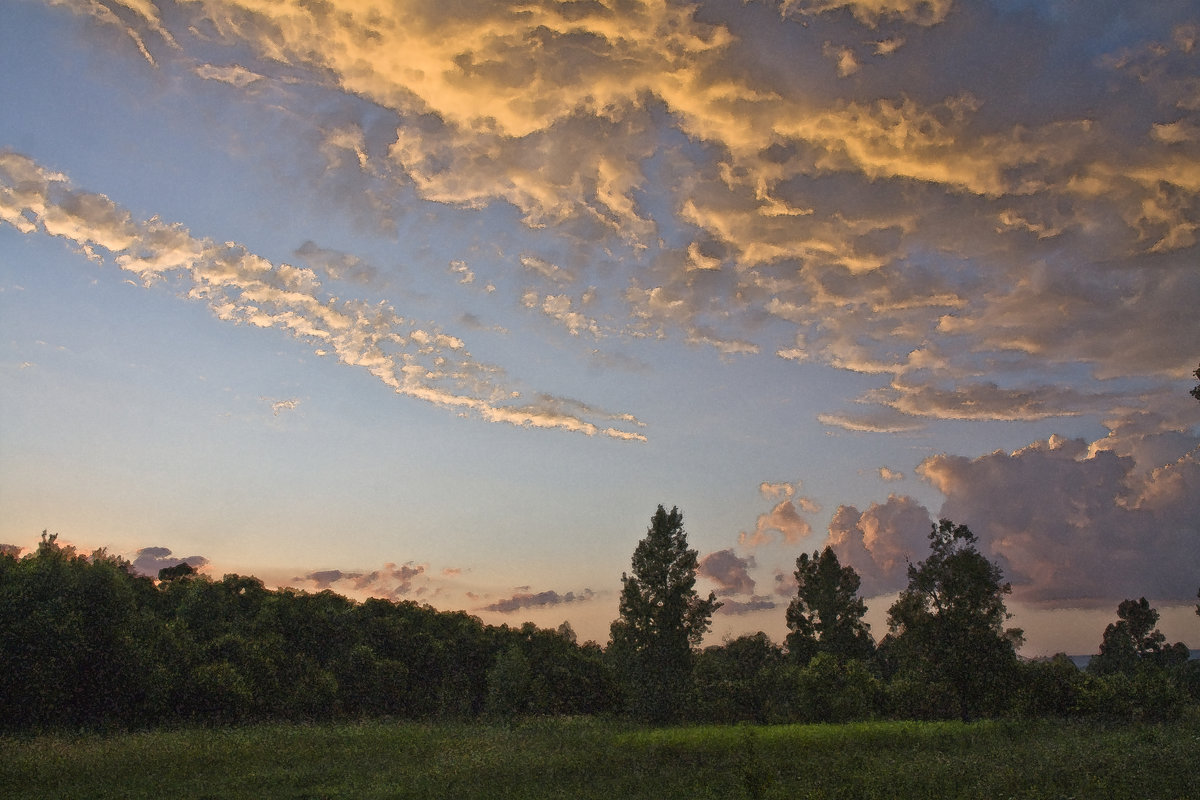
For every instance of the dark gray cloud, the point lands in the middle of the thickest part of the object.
(525, 600)
(392, 581)
(1074, 525)
(729, 570)
(149, 560)
(737, 607)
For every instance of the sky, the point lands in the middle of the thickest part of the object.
(438, 301)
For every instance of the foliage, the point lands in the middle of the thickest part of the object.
(662, 618)
(740, 681)
(826, 615)
(1133, 642)
(830, 690)
(949, 623)
(87, 643)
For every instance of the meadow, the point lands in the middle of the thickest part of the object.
(592, 758)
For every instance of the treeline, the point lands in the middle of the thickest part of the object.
(86, 643)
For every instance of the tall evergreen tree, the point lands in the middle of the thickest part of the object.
(826, 615)
(949, 622)
(662, 619)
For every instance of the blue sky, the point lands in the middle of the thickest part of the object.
(439, 301)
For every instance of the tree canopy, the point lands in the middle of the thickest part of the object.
(662, 618)
(1134, 640)
(826, 615)
(949, 621)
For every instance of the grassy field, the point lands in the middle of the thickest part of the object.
(582, 758)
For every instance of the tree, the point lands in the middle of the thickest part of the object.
(826, 614)
(1196, 394)
(738, 681)
(510, 684)
(1133, 640)
(662, 618)
(950, 621)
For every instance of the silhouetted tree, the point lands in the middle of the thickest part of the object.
(1133, 641)
(662, 618)
(1196, 390)
(826, 614)
(949, 622)
(180, 570)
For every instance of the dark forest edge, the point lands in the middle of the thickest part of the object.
(88, 644)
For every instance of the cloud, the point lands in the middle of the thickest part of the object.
(149, 560)
(524, 600)
(464, 273)
(336, 265)
(736, 607)
(234, 75)
(785, 519)
(967, 223)
(847, 63)
(416, 361)
(391, 582)
(890, 474)
(774, 491)
(729, 571)
(327, 577)
(281, 405)
(872, 12)
(1073, 524)
(146, 13)
(881, 541)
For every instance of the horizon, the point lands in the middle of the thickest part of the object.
(439, 305)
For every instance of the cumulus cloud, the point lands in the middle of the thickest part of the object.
(524, 600)
(881, 541)
(729, 571)
(1072, 524)
(785, 519)
(414, 360)
(149, 560)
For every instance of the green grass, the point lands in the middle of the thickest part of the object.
(581, 758)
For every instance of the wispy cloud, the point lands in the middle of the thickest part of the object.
(392, 581)
(523, 600)
(415, 360)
